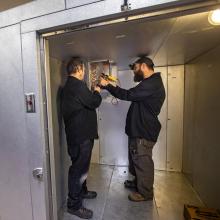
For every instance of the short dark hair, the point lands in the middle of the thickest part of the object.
(149, 62)
(73, 65)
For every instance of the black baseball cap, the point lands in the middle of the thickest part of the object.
(145, 60)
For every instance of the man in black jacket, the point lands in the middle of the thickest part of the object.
(142, 124)
(79, 112)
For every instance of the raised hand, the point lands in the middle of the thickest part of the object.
(97, 89)
(103, 82)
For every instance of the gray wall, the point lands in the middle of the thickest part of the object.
(30, 10)
(40, 8)
(202, 124)
(15, 198)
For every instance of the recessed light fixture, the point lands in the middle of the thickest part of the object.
(214, 17)
(120, 36)
(70, 43)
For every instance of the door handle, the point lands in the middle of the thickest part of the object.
(38, 173)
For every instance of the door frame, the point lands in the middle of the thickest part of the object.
(49, 159)
(43, 39)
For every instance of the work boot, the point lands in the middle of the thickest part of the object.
(83, 213)
(89, 195)
(137, 197)
(130, 184)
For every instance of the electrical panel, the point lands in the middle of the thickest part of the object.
(96, 69)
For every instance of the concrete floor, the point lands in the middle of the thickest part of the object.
(172, 191)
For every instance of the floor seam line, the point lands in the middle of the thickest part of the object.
(110, 182)
(156, 207)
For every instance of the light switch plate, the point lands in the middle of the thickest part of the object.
(30, 102)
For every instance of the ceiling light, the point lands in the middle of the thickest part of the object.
(214, 17)
(120, 36)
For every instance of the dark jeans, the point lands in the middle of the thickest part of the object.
(141, 164)
(80, 154)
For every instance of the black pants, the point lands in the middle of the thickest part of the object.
(81, 156)
(141, 165)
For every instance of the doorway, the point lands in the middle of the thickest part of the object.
(175, 46)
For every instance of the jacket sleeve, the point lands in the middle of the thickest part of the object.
(138, 93)
(91, 100)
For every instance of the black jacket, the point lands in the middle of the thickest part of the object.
(79, 105)
(147, 99)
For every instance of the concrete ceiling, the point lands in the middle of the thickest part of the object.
(5, 5)
(168, 41)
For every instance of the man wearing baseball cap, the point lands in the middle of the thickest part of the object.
(142, 125)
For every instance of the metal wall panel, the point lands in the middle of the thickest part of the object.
(35, 124)
(160, 149)
(113, 140)
(59, 158)
(30, 10)
(189, 118)
(15, 197)
(175, 117)
(202, 125)
(77, 3)
(39, 8)
(93, 12)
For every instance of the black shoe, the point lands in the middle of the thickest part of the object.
(81, 213)
(130, 184)
(89, 195)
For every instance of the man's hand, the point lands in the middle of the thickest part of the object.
(97, 89)
(103, 82)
